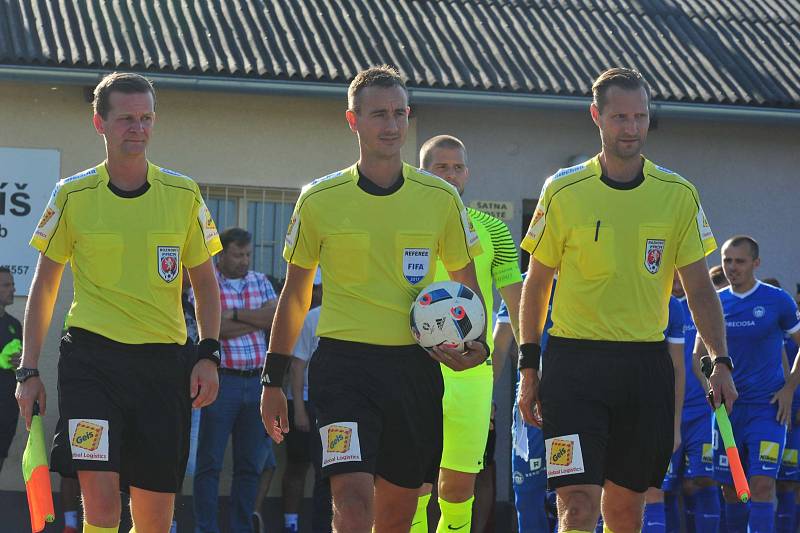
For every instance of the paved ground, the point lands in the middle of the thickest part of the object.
(15, 519)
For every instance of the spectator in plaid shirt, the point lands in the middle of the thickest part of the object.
(248, 305)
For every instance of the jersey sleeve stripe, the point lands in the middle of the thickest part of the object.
(794, 330)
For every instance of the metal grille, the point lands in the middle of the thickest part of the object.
(263, 211)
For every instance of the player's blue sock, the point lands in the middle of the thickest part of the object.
(654, 518)
(735, 517)
(689, 506)
(706, 515)
(762, 517)
(784, 517)
(671, 512)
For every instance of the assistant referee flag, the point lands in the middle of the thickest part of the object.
(37, 477)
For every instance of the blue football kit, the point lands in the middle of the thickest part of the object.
(756, 323)
(694, 457)
(529, 471)
(789, 470)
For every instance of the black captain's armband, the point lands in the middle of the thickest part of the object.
(209, 349)
(530, 354)
(275, 369)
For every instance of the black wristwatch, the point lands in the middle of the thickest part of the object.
(724, 360)
(23, 374)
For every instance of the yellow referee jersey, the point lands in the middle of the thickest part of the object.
(616, 247)
(126, 251)
(377, 251)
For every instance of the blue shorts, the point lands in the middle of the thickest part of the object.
(694, 457)
(760, 440)
(789, 470)
(530, 482)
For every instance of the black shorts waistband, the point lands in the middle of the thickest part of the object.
(607, 347)
(362, 348)
(86, 337)
(249, 373)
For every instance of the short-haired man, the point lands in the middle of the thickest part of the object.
(10, 336)
(757, 317)
(616, 227)
(376, 229)
(128, 228)
(248, 306)
(468, 395)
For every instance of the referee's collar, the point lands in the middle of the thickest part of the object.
(370, 187)
(623, 185)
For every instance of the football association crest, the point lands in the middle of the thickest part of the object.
(653, 252)
(168, 262)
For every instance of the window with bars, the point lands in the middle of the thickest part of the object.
(264, 212)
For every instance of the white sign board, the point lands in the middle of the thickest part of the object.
(27, 177)
(502, 210)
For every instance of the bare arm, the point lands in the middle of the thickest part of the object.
(533, 314)
(511, 296)
(678, 365)
(785, 395)
(535, 297)
(292, 308)
(705, 306)
(260, 318)
(503, 345)
(204, 381)
(707, 314)
(206, 296)
(38, 313)
(699, 351)
(230, 329)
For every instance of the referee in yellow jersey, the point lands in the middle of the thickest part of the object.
(376, 229)
(126, 375)
(616, 227)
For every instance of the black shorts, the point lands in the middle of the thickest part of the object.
(123, 408)
(379, 410)
(608, 410)
(9, 410)
(299, 444)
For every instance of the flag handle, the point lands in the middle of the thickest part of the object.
(735, 463)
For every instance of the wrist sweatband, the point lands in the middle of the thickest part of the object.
(530, 354)
(208, 349)
(275, 369)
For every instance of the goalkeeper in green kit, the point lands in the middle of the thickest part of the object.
(467, 399)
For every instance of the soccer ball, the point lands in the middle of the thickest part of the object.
(447, 313)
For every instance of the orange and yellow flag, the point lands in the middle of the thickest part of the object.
(37, 477)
